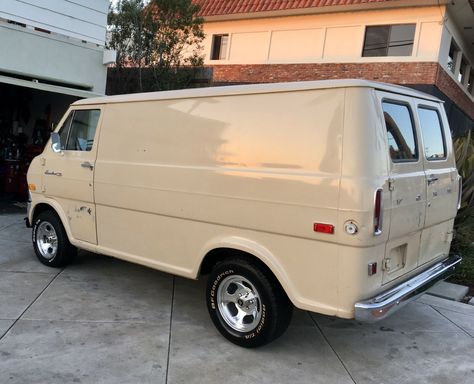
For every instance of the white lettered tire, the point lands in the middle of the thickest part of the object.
(50, 241)
(246, 303)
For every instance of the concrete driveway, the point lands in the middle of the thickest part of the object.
(106, 321)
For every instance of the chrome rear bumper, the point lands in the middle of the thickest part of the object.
(388, 302)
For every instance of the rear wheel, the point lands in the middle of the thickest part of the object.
(50, 241)
(246, 303)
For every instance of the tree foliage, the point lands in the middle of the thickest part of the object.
(160, 36)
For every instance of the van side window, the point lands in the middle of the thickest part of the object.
(82, 132)
(400, 132)
(64, 131)
(432, 133)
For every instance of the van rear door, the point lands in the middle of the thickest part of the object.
(407, 186)
(441, 181)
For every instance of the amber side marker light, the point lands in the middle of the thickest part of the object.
(323, 228)
(32, 187)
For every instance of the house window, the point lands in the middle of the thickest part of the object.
(470, 82)
(462, 71)
(389, 40)
(452, 56)
(219, 47)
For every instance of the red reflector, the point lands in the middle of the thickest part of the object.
(372, 269)
(323, 228)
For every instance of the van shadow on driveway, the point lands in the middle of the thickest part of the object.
(103, 320)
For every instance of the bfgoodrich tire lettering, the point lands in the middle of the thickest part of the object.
(246, 304)
(50, 241)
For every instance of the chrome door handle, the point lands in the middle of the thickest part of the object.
(431, 179)
(86, 164)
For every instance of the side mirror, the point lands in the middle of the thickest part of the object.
(55, 142)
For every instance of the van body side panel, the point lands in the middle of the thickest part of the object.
(173, 176)
(364, 170)
(305, 268)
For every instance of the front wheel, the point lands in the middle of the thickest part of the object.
(50, 241)
(246, 303)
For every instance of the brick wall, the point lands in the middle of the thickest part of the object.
(448, 86)
(401, 73)
(397, 73)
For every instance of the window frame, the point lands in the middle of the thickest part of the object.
(455, 59)
(213, 45)
(72, 113)
(414, 130)
(463, 70)
(470, 81)
(443, 136)
(387, 45)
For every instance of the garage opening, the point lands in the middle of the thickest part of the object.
(27, 116)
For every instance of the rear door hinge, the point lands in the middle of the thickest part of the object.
(391, 183)
(386, 264)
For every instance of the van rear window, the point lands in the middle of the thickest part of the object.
(432, 133)
(400, 132)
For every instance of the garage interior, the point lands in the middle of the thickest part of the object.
(28, 111)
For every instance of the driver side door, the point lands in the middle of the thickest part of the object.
(68, 176)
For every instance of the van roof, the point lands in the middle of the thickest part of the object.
(255, 89)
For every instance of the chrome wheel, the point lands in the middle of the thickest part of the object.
(47, 240)
(239, 303)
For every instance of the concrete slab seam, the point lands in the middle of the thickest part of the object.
(457, 325)
(27, 272)
(13, 241)
(449, 305)
(8, 226)
(170, 330)
(138, 322)
(332, 348)
(29, 306)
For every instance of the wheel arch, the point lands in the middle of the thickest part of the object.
(51, 205)
(248, 250)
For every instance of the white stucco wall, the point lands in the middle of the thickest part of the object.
(451, 31)
(330, 38)
(71, 56)
(44, 57)
(82, 19)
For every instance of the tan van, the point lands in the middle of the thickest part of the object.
(337, 197)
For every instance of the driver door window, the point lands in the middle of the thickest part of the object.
(78, 131)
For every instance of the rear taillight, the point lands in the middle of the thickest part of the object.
(378, 212)
(459, 191)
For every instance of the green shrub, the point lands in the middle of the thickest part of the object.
(463, 244)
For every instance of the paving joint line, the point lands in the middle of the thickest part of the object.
(29, 306)
(84, 321)
(5, 238)
(332, 348)
(7, 271)
(170, 329)
(457, 325)
(9, 225)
